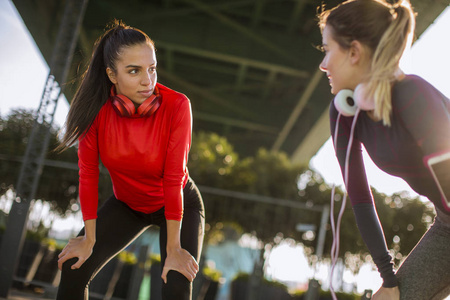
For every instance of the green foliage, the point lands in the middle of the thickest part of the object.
(3, 219)
(221, 232)
(275, 284)
(340, 295)
(267, 174)
(154, 258)
(211, 160)
(402, 217)
(298, 294)
(53, 244)
(212, 274)
(241, 276)
(39, 234)
(214, 163)
(57, 185)
(127, 257)
(272, 174)
(404, 221)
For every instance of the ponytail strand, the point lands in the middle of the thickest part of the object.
(386, 58)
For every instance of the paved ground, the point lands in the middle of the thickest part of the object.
(19, 295)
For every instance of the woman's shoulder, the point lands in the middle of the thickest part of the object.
(415, 83)
(106, 109)
(411, 80)
(171, 96)
(414, 86)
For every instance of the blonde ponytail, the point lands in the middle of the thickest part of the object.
(385, 61)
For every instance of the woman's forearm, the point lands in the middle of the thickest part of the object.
(372, 233)
(89, 230)
(178, 259)
(173, 235)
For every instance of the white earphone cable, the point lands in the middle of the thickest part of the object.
(335, 228)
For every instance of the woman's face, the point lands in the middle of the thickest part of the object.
(135, 75)
(337, 63)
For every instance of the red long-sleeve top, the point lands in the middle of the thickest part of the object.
(146, 157)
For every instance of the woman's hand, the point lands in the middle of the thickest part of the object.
(181, 261)
(387, 294)
(79, 247)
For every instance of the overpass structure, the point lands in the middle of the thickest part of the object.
(249, 67)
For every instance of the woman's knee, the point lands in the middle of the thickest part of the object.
(73, 283)
(177, 287)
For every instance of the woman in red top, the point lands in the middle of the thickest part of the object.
(141, 131)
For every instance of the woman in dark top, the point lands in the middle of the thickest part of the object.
(403, 123)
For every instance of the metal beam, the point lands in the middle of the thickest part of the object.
(169, 60)
(269, 84)
(205, 94)
(167, 3)
(235, 123)
(173, 12)
(202, 65)
(243, 30)
(249, 87)
(427, 11)
(268, 19)
(259, 198)
(322, 232)
(258, 12)
(297, 110)
(231, 88)
(299, 7)
(85, 42)
(312, 142)
(233, 59)
(240, 78)
(47, 162)
(37, 146)
(53, 163)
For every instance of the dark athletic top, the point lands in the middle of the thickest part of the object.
(420, 129)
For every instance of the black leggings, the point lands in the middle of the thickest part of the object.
(117, 226)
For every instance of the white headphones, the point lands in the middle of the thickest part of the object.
(347, 101)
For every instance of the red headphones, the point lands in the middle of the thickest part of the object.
(126, 108)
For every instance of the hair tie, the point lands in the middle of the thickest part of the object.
(394, 9)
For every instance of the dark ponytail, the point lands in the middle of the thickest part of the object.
(95, 86)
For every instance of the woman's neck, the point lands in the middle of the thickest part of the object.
(399, 74)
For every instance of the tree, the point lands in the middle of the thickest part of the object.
(58, 184)
(214, 163)
(404, 219)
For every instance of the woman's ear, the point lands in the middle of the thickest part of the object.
(111, 75)
(357, 52)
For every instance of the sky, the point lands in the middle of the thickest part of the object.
(23, 73)
(23, 70)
